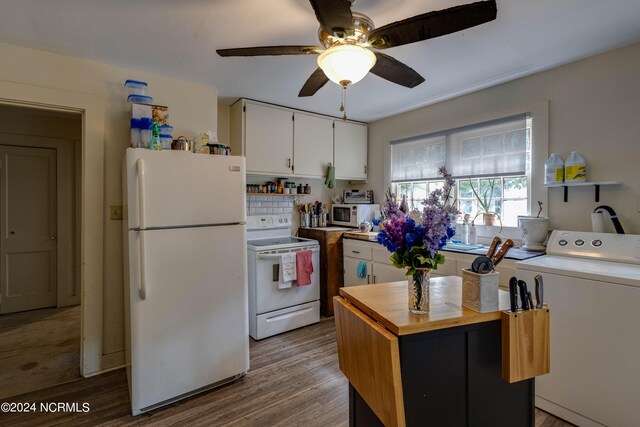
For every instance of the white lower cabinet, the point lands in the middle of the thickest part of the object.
(351, 272)
(383, 273)
(379, 268)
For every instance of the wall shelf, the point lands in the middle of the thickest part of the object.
(596, 185)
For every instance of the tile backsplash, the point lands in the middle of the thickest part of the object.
(269, 205)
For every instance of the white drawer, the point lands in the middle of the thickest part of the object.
(355, 249)
(279, 321)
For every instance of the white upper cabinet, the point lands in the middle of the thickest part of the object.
(350, 150)
(280, 141)
(268, 140)
(313, 144)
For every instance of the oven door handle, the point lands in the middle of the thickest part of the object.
(277, 256)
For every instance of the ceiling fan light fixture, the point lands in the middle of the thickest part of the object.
(346, 63)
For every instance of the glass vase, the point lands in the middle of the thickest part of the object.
(419, 291)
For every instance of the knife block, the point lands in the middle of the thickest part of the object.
(525, 344)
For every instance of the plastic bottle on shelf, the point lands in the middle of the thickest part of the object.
(575, 168)
(554, 170)
(155, 138)
(473, 235)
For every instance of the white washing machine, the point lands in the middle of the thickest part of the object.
(592, 286)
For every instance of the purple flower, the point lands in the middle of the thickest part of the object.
(407, 239)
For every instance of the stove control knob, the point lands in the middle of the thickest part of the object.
(596, 243)
(579, 242)
(562, 242)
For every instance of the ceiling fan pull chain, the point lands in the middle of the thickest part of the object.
(343, 105)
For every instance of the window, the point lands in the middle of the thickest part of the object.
(490, 161)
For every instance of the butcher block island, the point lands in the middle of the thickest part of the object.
(442, 368)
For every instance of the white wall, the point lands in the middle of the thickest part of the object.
(193, 109)
(593, 108)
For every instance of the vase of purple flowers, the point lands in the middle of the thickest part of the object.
(415, 238)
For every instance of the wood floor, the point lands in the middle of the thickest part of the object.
(294, 380)
(39, 349)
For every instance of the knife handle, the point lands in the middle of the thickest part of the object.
(539, 292)
(522, 287)
(508, 244)
(513, 291)
(494, 245)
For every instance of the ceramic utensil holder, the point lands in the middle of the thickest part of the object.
(480, 291)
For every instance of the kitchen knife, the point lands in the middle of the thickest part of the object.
(502, 252)
(539, 291)
(524, 297)
(494, 245)
(513, 290)
(531, 306)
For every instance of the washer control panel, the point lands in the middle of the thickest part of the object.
(605, 246)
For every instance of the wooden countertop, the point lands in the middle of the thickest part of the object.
(359, 235)
(387, 303)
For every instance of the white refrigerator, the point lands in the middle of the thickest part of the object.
(185, 256)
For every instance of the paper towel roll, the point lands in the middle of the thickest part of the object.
(597, 222)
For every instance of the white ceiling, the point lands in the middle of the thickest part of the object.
(178, 39)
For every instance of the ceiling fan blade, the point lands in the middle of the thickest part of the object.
(433, 24)
(395, 71)
(334, 16)
(271, 50)
(314, 83)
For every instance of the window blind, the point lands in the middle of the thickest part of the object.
(497, 148)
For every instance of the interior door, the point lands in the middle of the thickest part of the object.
(28, 232)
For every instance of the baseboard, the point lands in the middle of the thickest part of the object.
(112, 361)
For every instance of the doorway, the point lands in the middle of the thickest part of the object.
(40, 313)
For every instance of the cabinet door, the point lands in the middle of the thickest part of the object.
(351, 272)
(350, 147)
(268, 139)
(384, 273)
(312, 145)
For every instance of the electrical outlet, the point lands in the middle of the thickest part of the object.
(116, 212)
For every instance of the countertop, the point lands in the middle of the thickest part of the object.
(386, 303)
(329, 228)
(517, 254)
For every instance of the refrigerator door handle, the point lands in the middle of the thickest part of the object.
(141, 195)
(142, 288)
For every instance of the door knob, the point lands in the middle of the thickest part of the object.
(53, 237)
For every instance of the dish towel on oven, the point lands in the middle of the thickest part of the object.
(304, 267)
(362, 270)
(287, 270)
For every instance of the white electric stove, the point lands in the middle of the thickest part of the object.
(273, 309)
(592, 286)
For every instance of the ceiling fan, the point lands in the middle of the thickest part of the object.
(348, 40)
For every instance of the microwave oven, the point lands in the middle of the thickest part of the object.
(351, 215)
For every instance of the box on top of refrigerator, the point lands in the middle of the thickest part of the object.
(159, 113)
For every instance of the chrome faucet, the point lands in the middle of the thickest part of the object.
(612, 215)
